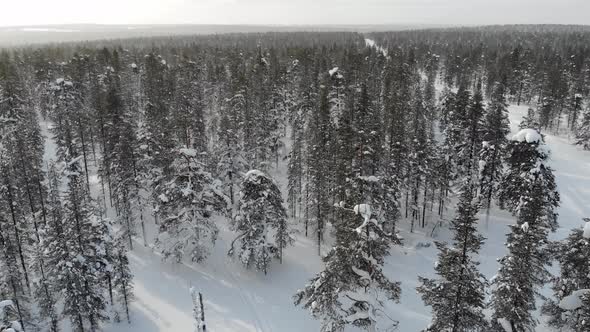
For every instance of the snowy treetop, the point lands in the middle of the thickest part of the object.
(253, 174)
(528, 135)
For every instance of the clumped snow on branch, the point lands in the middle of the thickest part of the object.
(574, 300)
(528, 135)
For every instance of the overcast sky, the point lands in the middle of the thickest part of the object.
(468, 12)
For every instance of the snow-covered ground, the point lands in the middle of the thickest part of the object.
(236, 299)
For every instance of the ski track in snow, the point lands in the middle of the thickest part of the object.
(237, 299)
(247, 300)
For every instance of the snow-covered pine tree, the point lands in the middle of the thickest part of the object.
(260, 213)
(396, 104)
(528, 189)
(16, 233)
(122, 278)
(188, 106)
(530, 120)
(297, 107)
(583, 130)
(261, 121)
(495, 128)
(43, 290)
(187, 200)
(456, 111)
(567, 308)
(157, 133)
(320, 143)
(119, 164)
(24, 145)
(281, 103)
(526, 166)
(295, 167)
(11, 278)
(52, 250)
(308, 87)
(229, 148)
(472, 135)
(76, 247)
(349, 290)
(574, 108)
(20, 152)
(457, 296)
(419, 172)
(344, 115)
(446, 155)
(79, 70)
(87, 237)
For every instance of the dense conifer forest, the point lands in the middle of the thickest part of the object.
(344, 139)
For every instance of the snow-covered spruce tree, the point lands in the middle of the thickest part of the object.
(11, 278)
(446, 153)
(122, 278)
(530, 120)
(372, 180)
(281, 104)
(320, 143)
(76, 251)
(188, 105)
(344, 138)
(24, 146)
(187, 200)
(260, 213)
(120, 155)
(574, 108)
(43, 291)
(21, 150)
(419, 172)
(457, 296)
(526, 166)
(51, 251)
(583, 131)
(396, 104)
(567, 308)
(457, 129)
(528, 189)
(350, 289)
(295, 169)
(14, 237)
(472, 124)
(264, 117)
(229, 148)
(157, 133)
(494, 130)
(308, 103)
